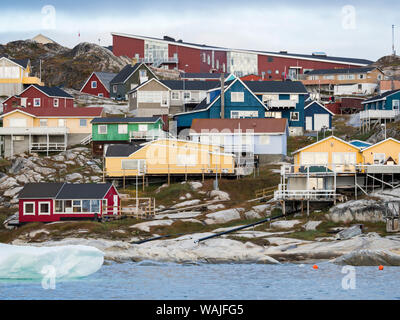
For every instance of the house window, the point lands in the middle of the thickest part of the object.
(164, 99)
(102, 129)
(223, 67)
(114, 88)
(175, 95)
(264, 140)
(217, 64)
(142, 73)
(104, 204)
(237, 96)
(294, 116)
(56, 103)
(244, 114)
(29, 208)
(379, 158)
(36, 102)
(95, 206)
(122, 128)
(85, 205)
(270, 59)
(59, 206)
(396, 104)
(44, 208)
(61, 123)
(18, 138)
(208, 60)
(94, 84)
(43, 122)
(17, 123)
(187, 95)
(360, 86)
(204, 58)
(142, 127)
(100, 95)
(83, 122)
(76, 206)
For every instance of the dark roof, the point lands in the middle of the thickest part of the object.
(22, 62)
(105, 78)
(40, 190)
(191, 85)
(202, 75)
(276, 86)
(202, 105)
(124, 74)
(84, 191)
(341, 71)
(122, 150)
(381, 96)
(126, 120)
(53, 91)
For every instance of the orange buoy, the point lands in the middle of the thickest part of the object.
(381, 267)
(315, 266)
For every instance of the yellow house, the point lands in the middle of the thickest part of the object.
(167, 156)
(15, 76)
(331, 152)
(45, 130)
(384, 152)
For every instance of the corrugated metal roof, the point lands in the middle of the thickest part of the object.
(125, 73)
(62, 112)
(105, 78)
(53, 91)
(258, 125)
(341, 71)
(122, 150)
(191, 85)
(203, 75)
(381, 96)
(126, 120)
(84, 191)
(40, 190)
(276, 86)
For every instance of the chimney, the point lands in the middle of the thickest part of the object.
(222, 96)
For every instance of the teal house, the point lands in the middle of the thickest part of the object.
(239, 102)
(252, 99)
(107, 131)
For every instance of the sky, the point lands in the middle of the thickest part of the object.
(358, 29)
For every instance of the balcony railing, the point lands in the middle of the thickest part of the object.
(148, 135)
(44, 146)
(280, 103)
(379, 114)
(6, 131)
(159, 61)
(314, 195)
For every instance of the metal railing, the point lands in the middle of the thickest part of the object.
(379, 114)
(316, 195)
(148, 135)
(87, 140)
(280, 103)
(44, 146)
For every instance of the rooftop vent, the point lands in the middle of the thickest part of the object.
(283, 51)
(320, 54)
(180, 41)
(169, 38)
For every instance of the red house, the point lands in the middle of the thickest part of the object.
(48, 202)
(35, 97)
(98, 84)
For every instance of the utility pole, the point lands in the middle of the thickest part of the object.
(393, 50)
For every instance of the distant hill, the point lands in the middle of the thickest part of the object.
(390, 65)
(62, 66)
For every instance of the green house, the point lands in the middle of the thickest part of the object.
(124, 130)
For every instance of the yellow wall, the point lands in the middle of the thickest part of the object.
(329, 146)
(73, 124)
(23, 75)
(390, 148)
(162, 156)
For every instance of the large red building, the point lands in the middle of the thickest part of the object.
(197, 58)
(98, 84)
(39, 97)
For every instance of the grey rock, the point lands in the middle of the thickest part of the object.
(223, 216)
(369, 258)
(349, 232)
(357, 210)
(12, 192)
(252, 214)
(219, 195)
(45, 171)
(311, 225)
(8, 183)
(73, 177)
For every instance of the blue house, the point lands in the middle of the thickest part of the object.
(380, 109)
(239, 102)
(253, 99)
(317, 116)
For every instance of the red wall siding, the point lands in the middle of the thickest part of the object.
(279, 63)
(100, 87)
(123, 46)
(188, 56)
(218, 55)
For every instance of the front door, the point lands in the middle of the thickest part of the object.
(308, 123)
(115, 211)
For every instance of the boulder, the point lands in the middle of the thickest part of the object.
(165, 185)
(73, 177)
(145, 226)
(8, 183)
(262, 208)
(311, 225)
(357, 210)
(213, 207)
(12, 192)
(195, 185)
(219, 195)
(58, 158)
(45, 171)
(369, 258)
(349, 232)
(223, 216)
(70, 155)
(188, 196)
(22, 179)
(252, 214)
(187, 203)
(95, 179)
(284, 224)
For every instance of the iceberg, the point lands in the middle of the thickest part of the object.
(61, 262)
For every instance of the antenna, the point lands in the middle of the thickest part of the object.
(393, 51)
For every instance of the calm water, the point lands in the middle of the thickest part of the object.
(148, 280)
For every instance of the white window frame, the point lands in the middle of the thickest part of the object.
(63, 121)
(40, 213)
(292, 114)
(237, 96)
(142, 126)
(34, 209)
(80, 123)
(17, 121)
(115, 88)
(35, 104)
(122, 129)
(56, 103)
(77, 206)
(187, 93)
(100, 95)
(43, 120)
(177, 93)
(378, 156)
(93, 84)
(396, 104)
(102, 126)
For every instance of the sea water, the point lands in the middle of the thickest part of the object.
(152, 280)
